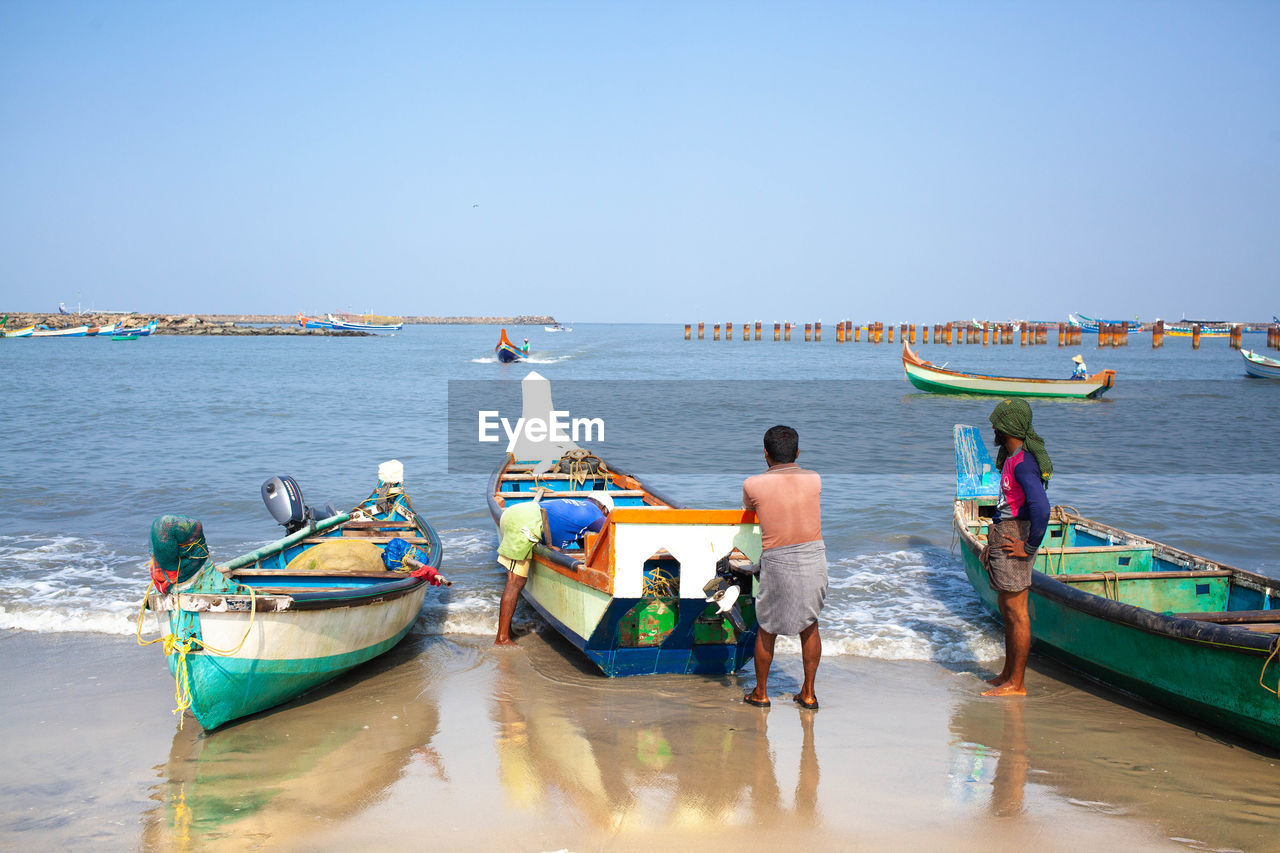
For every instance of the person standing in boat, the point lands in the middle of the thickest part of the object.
(1014, 534)
(1080, 371)
(559, 523)
(793, 566)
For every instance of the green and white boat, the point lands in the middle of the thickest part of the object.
(278, 621)
(1183, 631)
(928, 377)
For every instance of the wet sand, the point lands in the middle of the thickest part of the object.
(448, 742)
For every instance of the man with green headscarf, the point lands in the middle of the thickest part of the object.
(1014, 534)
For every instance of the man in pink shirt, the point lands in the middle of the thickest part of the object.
(793, 565)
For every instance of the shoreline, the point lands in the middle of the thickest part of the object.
(479, 748)
(243, 324)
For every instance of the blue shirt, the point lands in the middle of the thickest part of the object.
(569, 518)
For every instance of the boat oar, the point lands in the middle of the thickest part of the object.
(422, 570)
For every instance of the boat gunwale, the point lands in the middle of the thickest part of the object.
(1132, 616)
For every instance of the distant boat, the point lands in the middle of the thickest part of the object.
(129, 337)
(1181, 630)
(556, 327)
(313, 323)
(1088, 324)
(271, 624)
(1183, 329)
(508, 352)
(70, 332)
(138, 331)
(1260, 366)
(353, 326)
(927, 377)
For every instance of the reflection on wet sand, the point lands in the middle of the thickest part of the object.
(1097, 754)
(291, 771)
(635, 758)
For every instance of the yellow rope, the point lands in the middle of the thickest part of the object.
(1275, 650)
(659, 585)
(1107, 589)
(182, 647)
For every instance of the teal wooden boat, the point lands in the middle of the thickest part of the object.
(1180, 630)
(276, 622)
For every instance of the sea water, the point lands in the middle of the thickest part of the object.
(99, 439)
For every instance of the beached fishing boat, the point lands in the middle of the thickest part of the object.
(1260, 365)
(70, 332)
(634, 598)
(24, 332)
(357, 326)
(1088, 324)
(939, 380)
(508, 352)
(269, 625)
(1181, 630)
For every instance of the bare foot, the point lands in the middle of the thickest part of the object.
(1005, 689)
(504, 641)
(998, 680)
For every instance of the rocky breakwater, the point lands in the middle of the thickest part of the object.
(175, 324)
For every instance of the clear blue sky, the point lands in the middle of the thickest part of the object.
(655, 161)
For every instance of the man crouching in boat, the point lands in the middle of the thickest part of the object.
(1014, 534)
(559, 522)
(793, 565)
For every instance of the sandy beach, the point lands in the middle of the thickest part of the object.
(454, 744)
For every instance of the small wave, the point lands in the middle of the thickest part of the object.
(61, 621)
(489, 360)
(462, 543)
(905, 605)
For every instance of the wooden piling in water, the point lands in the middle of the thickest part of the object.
(808, 332)
(715, 332)
(777, 332)
(912, 332)
(728, 331)
(788, 332)
(1195, 336)
(757, 330)
(924, 333)
(688, 332)
(701, 330)
(1237, 336)
(890, 333)
(857, 333)
(817, 332)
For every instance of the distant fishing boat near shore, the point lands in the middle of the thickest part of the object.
(1088, 324)
(939, 380)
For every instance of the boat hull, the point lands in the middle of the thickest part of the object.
(284, 654)
(1260, 366)
(600, 597)
(1110, 643)
(937, 380)
(508, 354)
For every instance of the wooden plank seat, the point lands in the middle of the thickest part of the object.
(371, 536)
(380, 525)
(1233, 617)
(585, 493)
(531, 477)
(1094, 577)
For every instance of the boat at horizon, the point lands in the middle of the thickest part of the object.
(1088, 324)
(557, 327)
(1180, 630)
(939, 380)
(269, 625)
(344, 324)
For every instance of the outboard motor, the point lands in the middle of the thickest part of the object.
(283, 498)
(724, 589)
